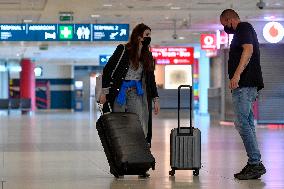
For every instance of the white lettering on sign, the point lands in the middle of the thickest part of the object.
(169, 54)
(5, 35)
(102, 27)
(41, 27)
(11, 27)
(173, 55)
(177, 49)
(184, 54)
(99, 35)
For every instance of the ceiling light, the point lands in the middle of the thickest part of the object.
(27, 21)
(95, 15)
(269, 17)
(181, 38)
(175, 8)
(107, 5)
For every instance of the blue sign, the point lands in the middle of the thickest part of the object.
(74, 32)
(104, 59)
(64, 32)
(13, 32)
(82, 32)
(110, 32)
(41, 32)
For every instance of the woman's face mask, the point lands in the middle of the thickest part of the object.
(146, 38)
(146, 41)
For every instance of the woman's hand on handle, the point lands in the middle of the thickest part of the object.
(103, 99)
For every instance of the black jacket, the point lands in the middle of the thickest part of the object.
(115, 83)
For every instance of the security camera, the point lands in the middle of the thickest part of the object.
(175, 36)
(260, 4)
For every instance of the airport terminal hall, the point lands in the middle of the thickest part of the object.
(141, 94)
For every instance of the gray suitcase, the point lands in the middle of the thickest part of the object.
(185, 144)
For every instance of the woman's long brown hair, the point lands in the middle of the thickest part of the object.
(133, 46)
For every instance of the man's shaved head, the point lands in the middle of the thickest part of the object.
(229, 14)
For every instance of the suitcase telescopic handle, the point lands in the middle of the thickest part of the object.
(190, 107)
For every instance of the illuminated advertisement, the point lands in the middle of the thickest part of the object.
(173, 55)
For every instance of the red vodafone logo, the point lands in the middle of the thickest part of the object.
(208, 41)
(273, 32)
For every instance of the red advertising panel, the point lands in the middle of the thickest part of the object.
(208, 41)
(173, 55)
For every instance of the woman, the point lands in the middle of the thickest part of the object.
(132, 87)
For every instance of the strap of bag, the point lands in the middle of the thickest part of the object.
(118, 61)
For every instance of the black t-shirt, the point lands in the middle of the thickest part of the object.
(252, 75)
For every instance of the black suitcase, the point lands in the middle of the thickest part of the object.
(185, 144)
(124, 144)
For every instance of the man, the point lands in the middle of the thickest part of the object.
(245, 81)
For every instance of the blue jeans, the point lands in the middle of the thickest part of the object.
(243, 99)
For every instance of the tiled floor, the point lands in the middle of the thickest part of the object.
(62, 150)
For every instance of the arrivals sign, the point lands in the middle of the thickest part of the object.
(62, 32)
(173, 55)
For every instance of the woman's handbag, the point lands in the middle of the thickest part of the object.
(99, 89)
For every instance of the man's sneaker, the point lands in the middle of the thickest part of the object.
(242, 171)
(251, 172)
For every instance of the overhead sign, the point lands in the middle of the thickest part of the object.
(110, 32)
(173, 55)
(208, 41)
(28, 32)
(64, 32)
(104, 59)
(41, 32)
(82, 32)
(12, 32)
(273, 32)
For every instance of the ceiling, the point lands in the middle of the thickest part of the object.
(189, 17)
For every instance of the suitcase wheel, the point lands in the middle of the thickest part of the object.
(153, 166)
(196, 172)
(172, 172)
(114, 172)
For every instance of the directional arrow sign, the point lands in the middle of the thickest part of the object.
(110, 32)
(122, 32)
(104, 59)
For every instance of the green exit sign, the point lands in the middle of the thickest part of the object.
(66, 18)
